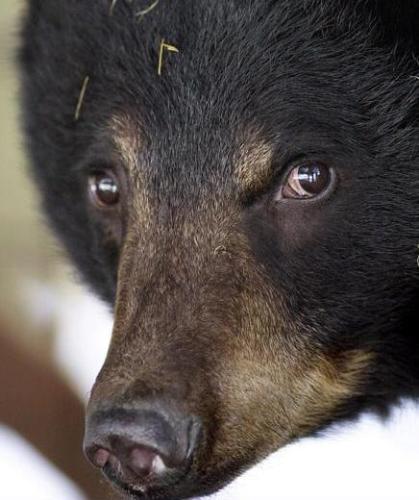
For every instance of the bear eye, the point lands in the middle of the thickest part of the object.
(305, 181)
(103, 189)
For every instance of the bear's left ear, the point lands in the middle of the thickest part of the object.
(399, 19)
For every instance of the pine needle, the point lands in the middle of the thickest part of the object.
(141, 13)
(164, 46)
(112, 7)
(81, 98)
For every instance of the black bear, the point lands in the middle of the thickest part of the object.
(240, 181)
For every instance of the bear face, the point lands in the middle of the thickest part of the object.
(239, 180)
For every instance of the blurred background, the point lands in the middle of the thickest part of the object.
(53, 334)
(53, 339)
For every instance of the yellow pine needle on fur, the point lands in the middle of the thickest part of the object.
(112, 6)
(164, 46)
(81, 98)
(141, 13)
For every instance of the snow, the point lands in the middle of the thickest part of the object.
(26, 475)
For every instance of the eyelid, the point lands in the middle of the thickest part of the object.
(100, 166)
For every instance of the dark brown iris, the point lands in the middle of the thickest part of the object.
(103, 189)
(307, 181)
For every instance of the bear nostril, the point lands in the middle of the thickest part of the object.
(100, 458)
(144, 461)
(141, 460)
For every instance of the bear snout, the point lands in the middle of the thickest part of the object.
(142, 446)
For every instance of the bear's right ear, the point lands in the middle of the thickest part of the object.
(399, 20)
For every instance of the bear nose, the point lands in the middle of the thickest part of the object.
(137, 444)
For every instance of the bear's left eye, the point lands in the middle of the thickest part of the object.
(305, 181)
(104, 189)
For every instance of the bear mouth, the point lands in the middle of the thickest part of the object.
(188, 485)
(170, 488)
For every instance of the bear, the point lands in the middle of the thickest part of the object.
(239, 181)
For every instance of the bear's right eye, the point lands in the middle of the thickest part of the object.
(104, 189)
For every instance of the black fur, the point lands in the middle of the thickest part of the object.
(330, 79)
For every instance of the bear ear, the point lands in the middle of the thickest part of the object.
(399, 20)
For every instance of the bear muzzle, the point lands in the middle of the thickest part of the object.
(143, 446)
